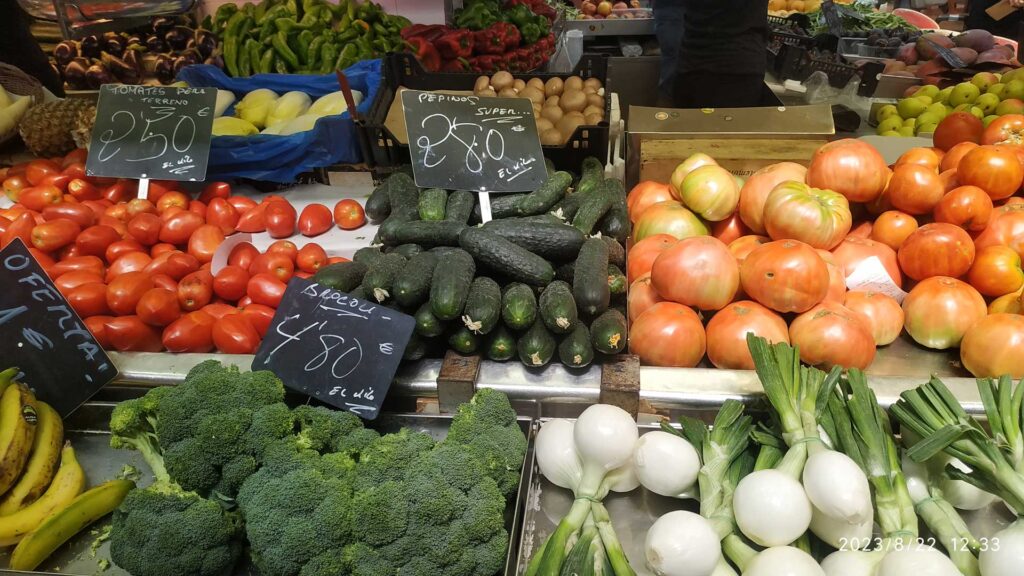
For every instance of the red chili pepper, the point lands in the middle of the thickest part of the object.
(430, 32)
(425, 53)
(455, 44)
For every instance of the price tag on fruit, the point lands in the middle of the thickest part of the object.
(338, 349)
(42, 335)
(152, 132)
(465, 142)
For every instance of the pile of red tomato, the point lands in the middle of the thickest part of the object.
(138, 270)
(714, 257)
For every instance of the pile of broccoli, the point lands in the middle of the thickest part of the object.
(312, 491)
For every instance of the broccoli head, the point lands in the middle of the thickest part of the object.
(387, 457)
(353, 560)
(487, 426)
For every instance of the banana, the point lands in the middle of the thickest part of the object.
(41, 465)
(17, 430)
(66, 485)
(7, 377)
(89, 507)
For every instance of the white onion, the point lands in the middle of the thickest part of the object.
(840, 534)
(623, 478)
(962, 495)
(666, 464)
(920, 560)
(850, 563)
(605, 436)
(556, 454)
(1003, 554)
(682, 543)
(783, 561)
(771, 508)
(837, 486)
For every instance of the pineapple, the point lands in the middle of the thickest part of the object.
(46, 129)
(82, 132)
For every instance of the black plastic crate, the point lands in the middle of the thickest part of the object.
(796, 63)
(402, 69)
(777, 40)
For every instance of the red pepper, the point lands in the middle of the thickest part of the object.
(425, 53)
(489, 40)
(456, 65)
(455, 44)
(430, 32)
(487, 64)
(542, 9)
(511, 35)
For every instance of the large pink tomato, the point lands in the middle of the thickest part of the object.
(668, 334)
(785, 275)
(883, 312)
(727, 333)
(670, 218)
(755, 191)
(698, 272)
(830, 335)
(940, 310)
(712, 192)
(796, 211)
(994, 346)
(850, 167)
(1006, 228)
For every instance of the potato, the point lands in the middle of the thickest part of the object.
(507, 92)
(593, 110)
(482, 83)
(595, 100)
(536, 83)
(551, 101)
(573, 101)
(551, 137)
(594, 119)
(501, 80)
(589, 90)
(536, 96)
(573, 83)
(543, 125)
(553, 87)
(488, 93)
(552, 113)
(568, 124)
(518, 85)
(592, 83)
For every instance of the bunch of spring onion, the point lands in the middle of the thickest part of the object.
(591, 456)
(994, 459)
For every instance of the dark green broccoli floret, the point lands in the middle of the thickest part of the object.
(323, 429)
(487, 425)
(353, 560)
(380, 513)
(357, 441)
(387, 457)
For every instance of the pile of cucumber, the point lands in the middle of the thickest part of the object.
(542, 279)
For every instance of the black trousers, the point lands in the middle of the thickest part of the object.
(717, 90)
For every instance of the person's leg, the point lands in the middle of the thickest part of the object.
(668, 29)
(18, 47)
(714, 90)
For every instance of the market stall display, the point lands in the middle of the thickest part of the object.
(605, 9)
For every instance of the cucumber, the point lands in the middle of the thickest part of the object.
(549, 240)
(428, 325)
(616, 280)
(483, 306)
(506, 258)
(545, 196)
(359, 293)
(566, 272)
(591, 175)
(549, 165)
(412, 286)
(558, 308)
(518, 306)
(405, 197)
(449, 286)
(407, 250)
(536, 346)
(608, 332)
(502, 206)
(368, 256)
(432, 204)
(575, 350)
(378, 204)
(590, 278)
(566, 208)
(501, 344)
(616, 252)
(460, 206)
(463, 341)
(343, 276)
(380, 277)
(592, 207)
(546, 218)
(415, 349)
(615, 222)
(438, 233)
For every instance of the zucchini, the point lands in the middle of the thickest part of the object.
(449, 286)
(518, 306)
(432, 204)
(502, 206)
(483, 306)
(558, 308)
(616, 280)
(591, 175)
(576, 350)
(608, 332)
(380, 277)
(412, 286)
(501, 344)
(378, 204)
(407, 250)
(343, 276)
(368, 256)
(592, 207)
(415, 349)
(536, 346)
(616, 252)
(460, 206)
(438, 233)
(463, 341)
(545, 196)
(551, 241)
(428, 325)
(506, 258)
(590, 278)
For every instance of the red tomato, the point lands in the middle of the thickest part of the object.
(698, 272)
(956, 128)
(994, 346)
(197, 207)
(641, 296)
(668, 334)
(193, 332)
(310, 258)
(69, 251)
(743, 246)
(785, 275)
(995, 170)
(158, 307)
(77, 213)
(644, 195)
(83, 263)
(336, 259)
(219, 310)
(996, 271)
(836, 277)
(280, 218)
(862, 230)
(120, 248)
(161, 248)
(727, 333)
(21, 227)
(242, 255)
(915, 189)
(84, 190)
(165, 281)
(13, 185)
(76, 156)
(195, 290)
(927, 157)
(954, 155)
(204, 242)
(241, 203)
(820, 218)
(230, 282)
(117, 225)
(179, 228)
(71, 280)
(125, 291)
(259, 316)
(140, 206)
(117, 212)
(130, 334)
(128, 262)
(172, 198)
(176, 264)
(98, 207)
(284, 247)
(853, 251)
(222, 214)
(95, 240)
(670, 218)
(120, 191)
(252, 219)
(830, 335)
(98, 326)
(39, 169)
(159, 188)
(215, 190)
(314, 220)
(968, 207)
(233, 334)
(730, 229)
(939, 310)
(55, 234)
(1006, 228)
(40, 197)
(145, 228)
(850, 167)
(265, 289)
(883, 314)
(1007, 129)
(277, 264)
(58, 181)
(349, 215)
(936, 249)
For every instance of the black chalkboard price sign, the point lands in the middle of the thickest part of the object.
(464, 142)
(335, 348)
(152, 132)
(43, 336)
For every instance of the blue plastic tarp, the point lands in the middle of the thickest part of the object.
(333, 140)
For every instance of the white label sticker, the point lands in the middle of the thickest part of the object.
(871, 276)
(220, 255)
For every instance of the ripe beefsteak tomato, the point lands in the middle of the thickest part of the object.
(785, 275)
(684, 168)
(1007, 129)
(854, 251)
(744, 245)
(711, 192)
(915, 189)
(937, 249)
(996, 271)
(954, 155)
(968, 207)
(670, 218)
(643, 253)
(641, 296)
(644, 195)
(820, 218)
(939, 310)
(996, 170)
(1006, 228)
(756, 189)
(957, 128)
(668, 334)
(994, 346)
(892, 228)
(698, 272)
(830, 335)
(850, 167)
(728, 328)
(883, 313)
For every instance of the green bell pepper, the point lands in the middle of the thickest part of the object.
(477, 16)
(530, 32)
(284, 52)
